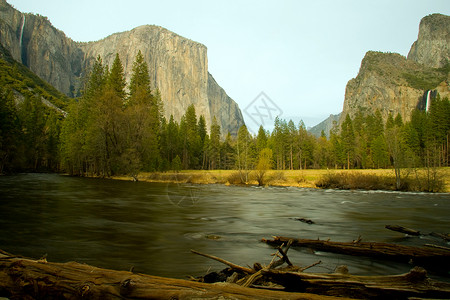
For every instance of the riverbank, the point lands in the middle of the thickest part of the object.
(355, 179)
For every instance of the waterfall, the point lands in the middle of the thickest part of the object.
(427, 105)
(21, 31)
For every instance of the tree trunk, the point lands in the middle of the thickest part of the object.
(22, 278)
(433, 258)
(406, 286)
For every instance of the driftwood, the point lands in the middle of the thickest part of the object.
(445, 237)
(252, 275)
(409, 231)
(230, 264)
(402, 229)
(423, 256)
(22, 278)
(413, 284)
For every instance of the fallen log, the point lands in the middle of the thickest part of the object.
(423, 256)
(413, 284)
(445, 237)
(404, 230)
(409, 231)
(404, 286)
(23, 278)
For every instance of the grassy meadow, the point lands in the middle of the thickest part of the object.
(370, 179)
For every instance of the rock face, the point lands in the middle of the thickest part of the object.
(325, 125)
(178, 67)
(33, 41)
(391, 83)
(432, 47)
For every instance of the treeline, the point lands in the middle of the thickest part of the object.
(114, 129)
(110, 131)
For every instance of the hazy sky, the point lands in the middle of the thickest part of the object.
(299, 53)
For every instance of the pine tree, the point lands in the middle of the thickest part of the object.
(192, 144)
(143, 116)
(261, 139)
(140, 78)
(96, 81)
(348, 140)
(10, 132)
(32, 117)
(116, 78)
(173, 139)
(215, 144)
(227, 153)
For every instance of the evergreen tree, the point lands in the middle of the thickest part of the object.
(10, 133)
(96, 81)
(32, 116)
(116, 78)
(261, 139)
(228, 153)
(192, 143)
(348, 140)
(172, 139)
(176, 164)
(143, 116)
(215, 144)
(291, 137)
(379, 152)
(140, 78)
(244, 153)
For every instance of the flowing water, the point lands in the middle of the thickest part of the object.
(152, 227)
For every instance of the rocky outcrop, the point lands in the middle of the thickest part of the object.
(178, 67)
(394, 84)
(227, 111)
(432, 47)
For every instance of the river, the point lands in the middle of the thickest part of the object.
(152, 227)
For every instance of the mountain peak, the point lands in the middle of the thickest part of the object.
(432, 47)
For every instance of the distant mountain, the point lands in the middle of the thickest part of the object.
(325, 125)
(394, 84)
(178, 66)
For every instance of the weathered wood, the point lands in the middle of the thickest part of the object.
(419, 255)
(230, 264)
(437, 246)
(22, 278)
(409, 231)
(402, 229)
(413, 284)
(445, 237)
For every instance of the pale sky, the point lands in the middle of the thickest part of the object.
(301, 54)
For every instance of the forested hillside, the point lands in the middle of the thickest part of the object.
(115, 129)
(30, 114)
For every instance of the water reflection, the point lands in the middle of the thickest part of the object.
(152, 227)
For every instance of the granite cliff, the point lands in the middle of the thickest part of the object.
(432, 47)
(178, 66)
(394, 84)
